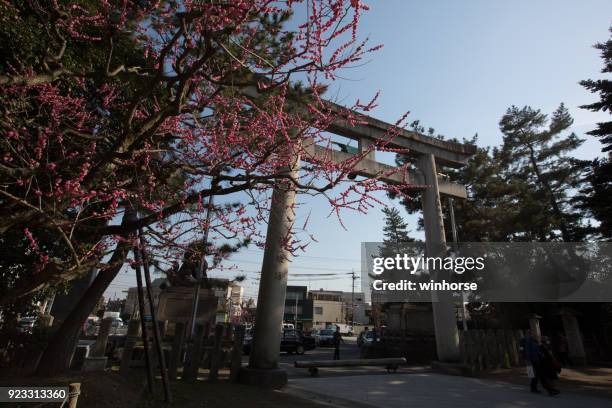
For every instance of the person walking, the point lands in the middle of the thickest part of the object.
(560, 349)
(337, 340)
(550, 368)
(531, 352)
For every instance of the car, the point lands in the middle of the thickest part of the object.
(292, 341)
(345, 329)
(325, 337)
(366, 338)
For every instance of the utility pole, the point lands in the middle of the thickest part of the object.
(296, 311)
(353, 297)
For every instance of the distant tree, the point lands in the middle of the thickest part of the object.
(395, 230)
(597, 195)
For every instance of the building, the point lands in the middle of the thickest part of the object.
(328, 308)
(355, 302)
(298, 308)
(236, 293)
(130, 309)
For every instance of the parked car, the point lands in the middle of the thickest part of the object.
(324, 337)
(345, 329)
(365, 338)
(292, 341)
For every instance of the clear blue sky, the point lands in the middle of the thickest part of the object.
(456, 66)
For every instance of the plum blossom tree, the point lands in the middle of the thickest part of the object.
(118, 116)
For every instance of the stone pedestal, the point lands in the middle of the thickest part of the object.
(274, 378)
(133, 334)
(79, 356)
(100, 347)
(94, 363)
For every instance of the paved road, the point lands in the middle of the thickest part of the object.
(414, 386)
(348, 350)
(429, 390)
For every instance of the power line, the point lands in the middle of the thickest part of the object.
(314, 268)
(310, 256)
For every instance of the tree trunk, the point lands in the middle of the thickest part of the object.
(56, 357)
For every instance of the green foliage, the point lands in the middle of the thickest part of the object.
(596, 197)
(395, 231)
(537, 160)
(523, 190)
(604, 88)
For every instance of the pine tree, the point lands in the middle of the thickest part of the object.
(604, 88)
(596, 198)
(538, 161)
(489, 213)
(395, 230)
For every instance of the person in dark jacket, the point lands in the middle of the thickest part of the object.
(549, 366)
(337, 340)
(532, 353)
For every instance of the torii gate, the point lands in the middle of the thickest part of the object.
(428, 152)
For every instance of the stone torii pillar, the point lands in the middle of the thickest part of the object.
(445, 322)
(263, 362)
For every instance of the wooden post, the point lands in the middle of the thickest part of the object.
(163, 328)
(512, 347)
(484, 354)
(237, 352)
(74, 389)
(502, 344)
(177, 350)
(156, 335)
(215, 361)
(143, 323)
(194, 353)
